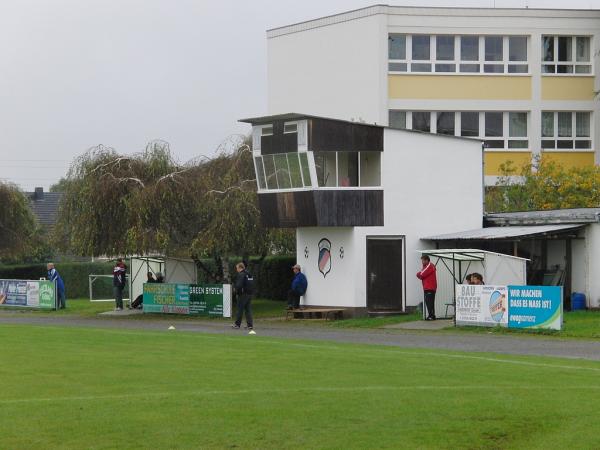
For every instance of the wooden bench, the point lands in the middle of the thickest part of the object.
(315, 313)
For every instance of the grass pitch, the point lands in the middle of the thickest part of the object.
(99, 388)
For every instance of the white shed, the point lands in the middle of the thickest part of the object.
(454, 264)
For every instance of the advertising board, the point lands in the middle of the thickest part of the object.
(188, 299)
(28, 294)
(509, 306)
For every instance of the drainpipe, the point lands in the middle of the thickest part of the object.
(483, 178)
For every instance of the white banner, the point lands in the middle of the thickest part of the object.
(481, 305)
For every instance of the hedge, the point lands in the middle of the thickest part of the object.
(273, 275)
(75, 276)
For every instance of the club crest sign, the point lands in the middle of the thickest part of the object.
(324, 256)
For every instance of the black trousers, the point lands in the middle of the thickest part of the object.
(293, 299)
(244, 306)
(430, 303)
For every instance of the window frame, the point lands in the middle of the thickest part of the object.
(573, 64)
(505, 137)
(403, 66)
(573, 137)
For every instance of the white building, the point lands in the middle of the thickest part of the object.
(361, 197)
(522, 80)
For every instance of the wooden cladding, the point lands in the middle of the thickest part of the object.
(324, 208)
(279, 142)
(333, 135)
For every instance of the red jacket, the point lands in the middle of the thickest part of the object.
(427, 277)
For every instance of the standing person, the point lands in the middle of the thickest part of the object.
(244, 288)
(53, 275)
(428, 278)
(119, 279)
(299, 285)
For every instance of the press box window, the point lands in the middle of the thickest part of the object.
(282, 171)
(266, 131)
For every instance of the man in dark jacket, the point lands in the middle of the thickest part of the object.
(119, 280)
(299, 285)
(243, 289)
(428, 277)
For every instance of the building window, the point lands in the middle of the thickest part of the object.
(469, 124)
(267, 131)
(290, 128)
(445, 123)
(566, 55)
(421, 121)
(348, 169)
(498, 129)
(517, 54)
(445, 52)
(397, 119)
(282, 171)
(421, 52)
(565, 130)
(464, 54)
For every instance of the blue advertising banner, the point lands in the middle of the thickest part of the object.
(535, 307)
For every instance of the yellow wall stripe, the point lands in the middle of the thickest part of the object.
(493, 160)
(567, 88)
(472, 87)
(570, 159)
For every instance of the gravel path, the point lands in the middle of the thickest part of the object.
(472, 342)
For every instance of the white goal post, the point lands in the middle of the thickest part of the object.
(101, 288)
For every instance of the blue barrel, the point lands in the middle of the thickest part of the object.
(577, 301)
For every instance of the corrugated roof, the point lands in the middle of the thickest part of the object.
(551, 216)
(495, 233)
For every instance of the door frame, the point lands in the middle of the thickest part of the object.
(386, 237)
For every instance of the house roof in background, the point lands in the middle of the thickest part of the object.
(45, 206)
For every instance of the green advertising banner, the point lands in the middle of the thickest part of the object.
(188, 299)
(28, 294)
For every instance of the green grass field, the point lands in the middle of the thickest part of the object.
(100, 388)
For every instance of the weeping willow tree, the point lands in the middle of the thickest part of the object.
(148, 203)
(18, 228)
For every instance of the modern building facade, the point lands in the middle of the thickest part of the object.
(361, 197)
(520, 80)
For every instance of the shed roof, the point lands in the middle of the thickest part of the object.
(463, 254)
(499, 233)
(551, 216)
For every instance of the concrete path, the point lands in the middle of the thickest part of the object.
(428, 325)
(471, 342)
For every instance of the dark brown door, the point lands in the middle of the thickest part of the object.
(385, 274)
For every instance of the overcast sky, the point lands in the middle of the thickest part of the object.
(78, 73)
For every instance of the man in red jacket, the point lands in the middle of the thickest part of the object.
(429, 280)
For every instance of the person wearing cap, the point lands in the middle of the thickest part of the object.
(299, 285)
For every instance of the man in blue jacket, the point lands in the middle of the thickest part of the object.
(299, 285)
(54, 276)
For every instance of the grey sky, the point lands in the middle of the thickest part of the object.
(77, 73)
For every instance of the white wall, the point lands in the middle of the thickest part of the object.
(593, 260)
(432, 185)
(336, 288)
(331, 71)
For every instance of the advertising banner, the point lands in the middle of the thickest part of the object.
(481, 305)
(28, 294)
(535, 307)
(509, 306)
(188, 299)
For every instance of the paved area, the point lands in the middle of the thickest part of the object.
(471, 342)
(429, 325)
